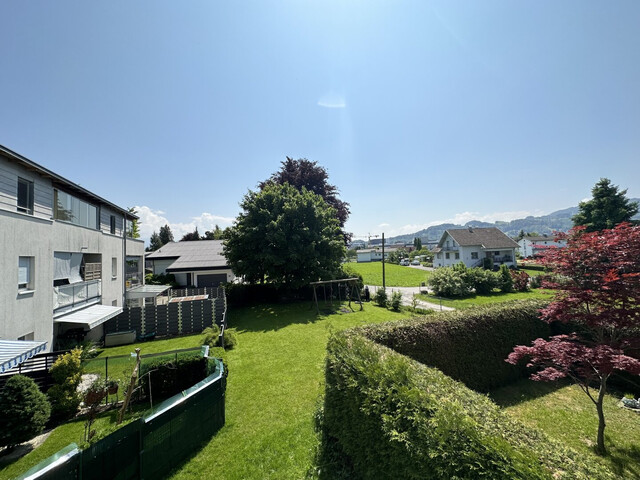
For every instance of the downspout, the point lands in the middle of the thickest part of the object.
(124, 260)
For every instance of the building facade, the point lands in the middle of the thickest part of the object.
(472, 245)
(532, 246)
(66, 260)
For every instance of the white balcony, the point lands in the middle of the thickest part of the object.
(68, 298)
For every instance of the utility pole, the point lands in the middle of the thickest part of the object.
(383, 283)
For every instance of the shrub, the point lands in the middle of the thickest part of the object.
(449, 282)
(443, 341)
(25, 411)
(487, 263)
(396, 301)
(67, 374)
(520, 281)
(349, 272)
(395, 418)
(506, 282)
(230, 338)
(536, 281)
(381, 297)
(211, 336)
(482, 281)
(168, 279)
(169, 376)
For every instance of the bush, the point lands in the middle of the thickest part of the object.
(349, 272)
(396, 301)
(520, 281)
(381, 297)
(24, 411)
(395, 418)
(168, 279)
(211, 336)
(482, 281)
(506, 282)
(487, 263)
(170, 376)
(449, 282)
(443, 341)
(67, 374)
(230, 338)
(536, 281)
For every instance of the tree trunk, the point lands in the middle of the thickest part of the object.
(600, 448)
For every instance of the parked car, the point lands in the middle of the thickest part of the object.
(415, 262)
(404, 262)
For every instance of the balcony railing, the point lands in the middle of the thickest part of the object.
(67, 298)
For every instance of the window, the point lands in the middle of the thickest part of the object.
(497, 254)
(114, 267)
(446, 255)
(457, 256)
(29, 336)
(474, 255)
(25, 196)
(439, 255)
(113, 225)
(25, 273)
(73, 210)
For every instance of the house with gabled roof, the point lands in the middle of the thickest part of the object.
(199, 263)
(531, 246)
(472, 245)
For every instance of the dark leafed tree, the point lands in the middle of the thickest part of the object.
(191, 236)
(165, 234)
(417, 243)
(608, 208)
(215, 234)
(305, 173)
(598, 299)
(284, 236)
(154, 242)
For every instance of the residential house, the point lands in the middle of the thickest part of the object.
(374, 254)
(532, 246)
(199, 263)
(66, 261)
(472, 245)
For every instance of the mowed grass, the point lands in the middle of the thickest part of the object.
(395, 275)
(565, 413)
(276, 376)
(496, 297)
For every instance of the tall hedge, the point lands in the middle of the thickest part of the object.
(398, 419)
(468, 345)
(169, 376)
(24, 411)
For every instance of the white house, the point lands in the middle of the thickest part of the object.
(199, 263)
(374, 254)
(65, 259)
(531, 246)
(472, 246)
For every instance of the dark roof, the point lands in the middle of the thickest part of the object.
(195, 255)
(59, 180)
(490, 237)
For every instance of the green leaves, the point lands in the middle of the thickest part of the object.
(285, 237)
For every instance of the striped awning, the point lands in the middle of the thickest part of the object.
(14, 352)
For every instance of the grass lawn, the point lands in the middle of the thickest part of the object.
(395, 275)
(276, 376)
(532, 273)
(564, 412)
(497, 297)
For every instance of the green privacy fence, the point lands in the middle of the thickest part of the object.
(150, 446)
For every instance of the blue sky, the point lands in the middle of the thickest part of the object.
(422, 112)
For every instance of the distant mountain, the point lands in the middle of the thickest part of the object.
(557, 221)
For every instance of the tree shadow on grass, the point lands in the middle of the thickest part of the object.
(523, 391)
(619, 459)
(269, 317)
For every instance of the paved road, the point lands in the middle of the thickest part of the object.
(407, 297)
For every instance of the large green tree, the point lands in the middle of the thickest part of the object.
(608, 208)
(284, 236)
(303, 173)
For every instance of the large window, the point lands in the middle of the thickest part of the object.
(25, 273)
(474, 255)
(25, 196)
(71, 209)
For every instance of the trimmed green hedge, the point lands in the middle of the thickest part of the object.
(396, 418)
(169, 376)
(468, 345)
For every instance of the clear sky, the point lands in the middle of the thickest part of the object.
(422, 111)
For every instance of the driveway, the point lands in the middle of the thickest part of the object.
(407, 297)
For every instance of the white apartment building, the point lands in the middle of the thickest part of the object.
(65, 258)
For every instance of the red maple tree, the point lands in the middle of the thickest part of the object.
(597, 282)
